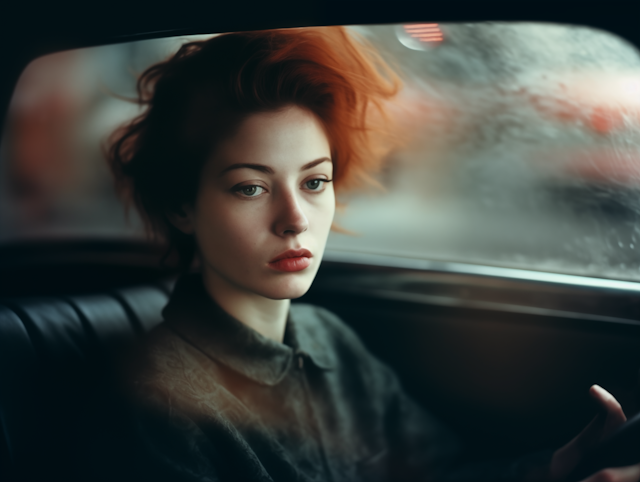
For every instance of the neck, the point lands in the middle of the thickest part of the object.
(266, 316)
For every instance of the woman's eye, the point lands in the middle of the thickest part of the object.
(315, 184)
(250, 191)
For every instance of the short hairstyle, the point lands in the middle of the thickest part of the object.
(201, 94)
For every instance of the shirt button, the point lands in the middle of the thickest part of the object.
(300, 355)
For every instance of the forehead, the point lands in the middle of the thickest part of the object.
(289, 135)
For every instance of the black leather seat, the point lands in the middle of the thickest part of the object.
(55, 356)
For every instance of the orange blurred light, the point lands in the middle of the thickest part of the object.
(602, 102)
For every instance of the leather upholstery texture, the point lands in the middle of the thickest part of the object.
(55, 358)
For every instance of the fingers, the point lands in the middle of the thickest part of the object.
(619, 474)
(602, 426)
(614, 413)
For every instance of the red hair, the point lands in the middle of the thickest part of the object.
(201, 94)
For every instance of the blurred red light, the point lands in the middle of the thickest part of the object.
(425, 32)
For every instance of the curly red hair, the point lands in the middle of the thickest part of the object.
(201, 94)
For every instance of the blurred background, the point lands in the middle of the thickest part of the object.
(524, 148)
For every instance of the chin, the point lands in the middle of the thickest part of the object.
(288, 289)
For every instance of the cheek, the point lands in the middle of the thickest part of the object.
(322, 215)
(225, 229)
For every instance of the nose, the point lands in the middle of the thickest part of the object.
(290, 218)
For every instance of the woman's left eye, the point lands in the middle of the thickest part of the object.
(250, 191)
(316, 184)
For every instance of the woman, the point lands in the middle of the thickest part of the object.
(236, 161)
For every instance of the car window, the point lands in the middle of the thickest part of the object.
(518, 146)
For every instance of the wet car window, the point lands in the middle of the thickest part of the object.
(520, 148)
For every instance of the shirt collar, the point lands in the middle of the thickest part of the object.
(194, 316)
(306, 332)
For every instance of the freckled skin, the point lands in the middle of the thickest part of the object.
(239, 228)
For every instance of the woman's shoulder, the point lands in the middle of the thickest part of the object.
(155, 351)
(160, 367)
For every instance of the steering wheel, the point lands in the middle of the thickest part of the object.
(622, 448)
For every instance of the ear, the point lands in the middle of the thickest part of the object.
(182, 219)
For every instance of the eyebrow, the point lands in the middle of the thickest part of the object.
(268, 170)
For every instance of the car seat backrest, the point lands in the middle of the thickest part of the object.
(53, 358)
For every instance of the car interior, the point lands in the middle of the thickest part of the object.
(500, 344)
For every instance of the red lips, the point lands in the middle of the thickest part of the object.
(291, 260)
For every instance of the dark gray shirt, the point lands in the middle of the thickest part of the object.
(217, 401)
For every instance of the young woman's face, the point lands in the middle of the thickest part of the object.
(263, 193)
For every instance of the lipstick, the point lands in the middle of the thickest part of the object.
(291, 260)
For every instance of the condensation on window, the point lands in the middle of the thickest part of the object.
(521, 148)
(525, 151)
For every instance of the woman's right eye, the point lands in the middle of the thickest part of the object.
(250, 191)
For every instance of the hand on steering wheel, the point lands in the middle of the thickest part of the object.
(611, 417)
